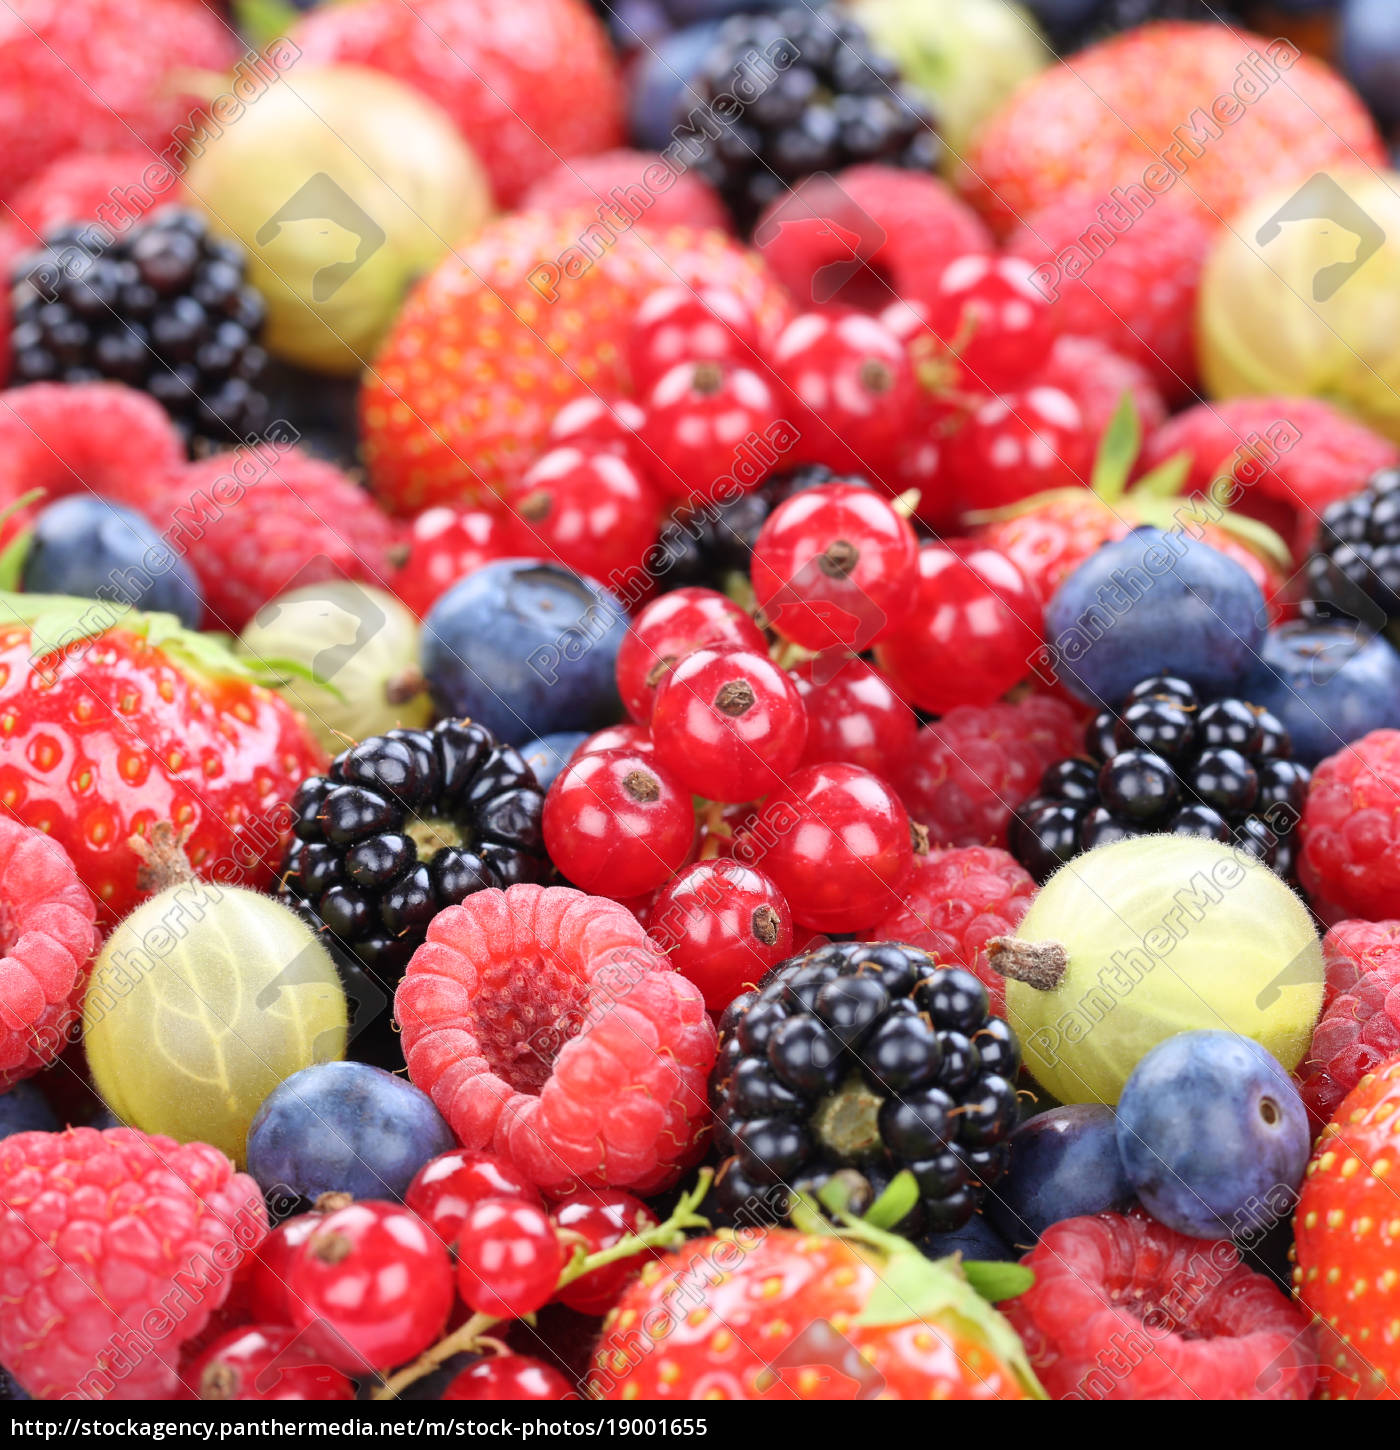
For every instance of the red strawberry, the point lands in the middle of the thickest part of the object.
(506, 331)
(781, 1315)
(1216, 114)
(116, 188)
(1347, 1232)
(1288, 457)
(111, 721)
(99, 75)
(265, 519)
(622, 185)
(528, 82)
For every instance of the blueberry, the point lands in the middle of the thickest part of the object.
(1064, 1163)
(1154, 602)
(24, 1109)
(548, 755)
(976, 1239)
(526, 648)
(92, 548)
(1370, 53)
(1213, 1135)
(1327, 684)
(663, 85)
(344, 1127)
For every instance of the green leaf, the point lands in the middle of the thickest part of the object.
(1118, 451)
(1256, 536)
(1166, 480)
(895, 1202)
(262, 21)
(17, 550)
(996, 1281)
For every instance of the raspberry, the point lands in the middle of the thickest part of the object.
(967, 772)
(90, 75)
(47, 938)
(954, 903)
(273, 519)
(101, 1233)
(548, 1029)
(1132, 289)
(1360, 1024)
(614, 183)
(73, 437)
(1123, 1308)
(1290, 457)
(896, 223)
(1350, 865)
(114, 187)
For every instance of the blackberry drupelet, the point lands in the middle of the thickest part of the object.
(854, 1062)
(798, 92)
(1354, 572)
(164, 308)
(1168, 763)
(404, 824)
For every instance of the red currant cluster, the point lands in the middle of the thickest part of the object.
(359, 1289)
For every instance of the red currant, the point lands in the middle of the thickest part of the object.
(854, 716)
(445, 545)
(267, 1278)
(508, 1258)
(699, 417)
(667, 630)
(600, 1218)
(854, 385)
(834, 567)
(445, 1187)
(837, 843)
(618, 823)
(1017, 445)
(587, 509)
(990, 311)
(265, 1362)
(509, 1377)
(681, 324)
(601, 422)
(975, 627)
(626, 736)
(371, 1288)
(729, 724)
(905, 319)
(723, 924)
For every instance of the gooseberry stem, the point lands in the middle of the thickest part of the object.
(1039, 964)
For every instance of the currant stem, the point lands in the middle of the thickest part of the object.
(1039, 964)
(467, 1337)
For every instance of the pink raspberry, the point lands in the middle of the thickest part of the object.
(548, 1029)
(115, 1249)
(47, 938)
(623, 184)
(1123, 1308)
(116, 188)
(969, 771)
(1360, 1024)
(1350, 831)
(955, 902)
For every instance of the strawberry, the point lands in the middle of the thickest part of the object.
(528, 82)
(1050, 535)
(117, 188)
(111, 721)
(508, 329)
(783, 1315)
(1347, 1228)
(1209, 112)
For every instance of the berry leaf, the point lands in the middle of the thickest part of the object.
(895, 1202)
(996, 1281)
(1118, 451)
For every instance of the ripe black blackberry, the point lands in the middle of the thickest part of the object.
(1071, 27)
(404, 824)
(854, 1062)
(165, 308)
(1168, 763)
(1354, 572)
(798, 92)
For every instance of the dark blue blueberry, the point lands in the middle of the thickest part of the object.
(527, 648)
(92, 548)
(1370, 53)
(663, 90)
(548, 755)
(976, 1239)
(24, 1109)
(1154, 603)
(344, 1127)
(1327, 684)
(1213, 1135)
(1064, 1163)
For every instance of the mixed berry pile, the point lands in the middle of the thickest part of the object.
(738, 653)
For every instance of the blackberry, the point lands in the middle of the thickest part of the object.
(798, 92)
(1354, 572)
(1168, 763)
(164, 308)
(404, 824)
(854, 1062)
(1070, 26)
